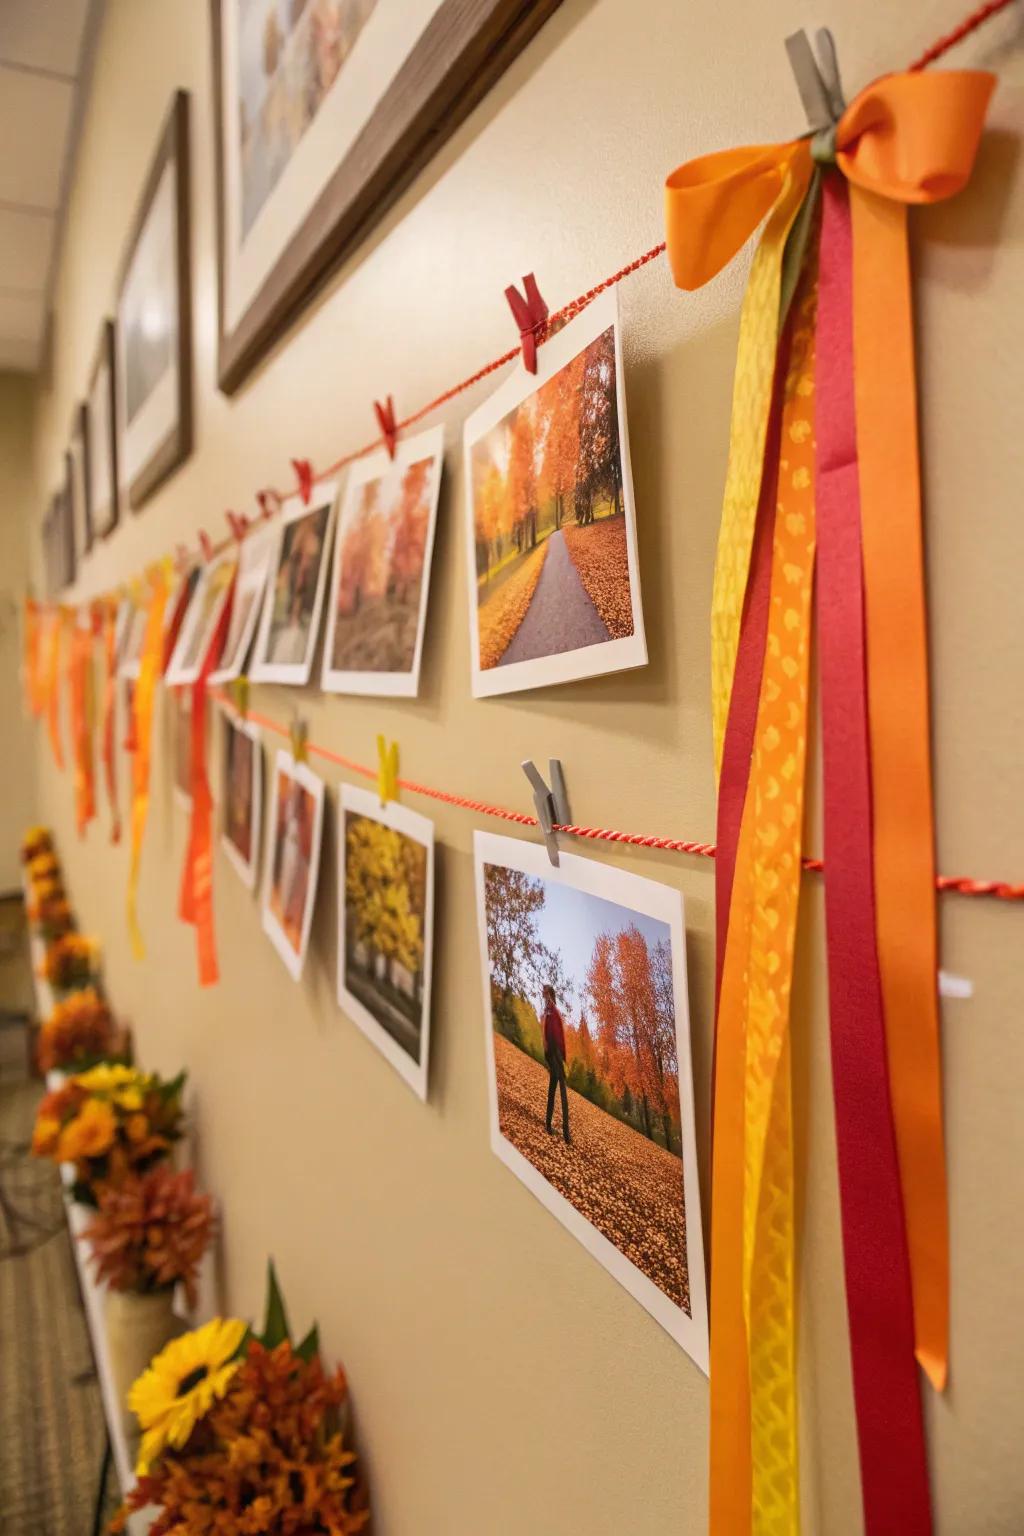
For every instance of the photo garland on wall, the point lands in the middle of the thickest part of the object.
(242, 797)
(102, 436)
(294, 596)
(292, 862)
(154, 322)
(254, 558)
(323, 112)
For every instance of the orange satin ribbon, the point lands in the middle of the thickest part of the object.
(906, 138)
(81, 702)
(52, 688)
(109, 712)
(150, 668)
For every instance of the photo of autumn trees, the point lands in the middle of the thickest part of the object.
(549, 519)
(380, 570)
(385, 877)
(611, 974)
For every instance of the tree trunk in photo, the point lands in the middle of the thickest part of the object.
(646, 1108)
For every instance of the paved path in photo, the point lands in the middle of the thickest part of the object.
(561, 616)
(630, 1189)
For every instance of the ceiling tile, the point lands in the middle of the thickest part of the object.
(34, 115)
(44, 34)
(26, 240)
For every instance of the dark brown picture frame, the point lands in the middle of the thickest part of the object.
(106, 353)
(80, 436)
(464, 50)
(177, 444)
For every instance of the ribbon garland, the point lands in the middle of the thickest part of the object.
(82, 704)
(907, 138)
(107, 753)
(143, 699)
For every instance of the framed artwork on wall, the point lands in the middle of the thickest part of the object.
(153, 373)
(324, 110)
(101, 438)
(78, 481)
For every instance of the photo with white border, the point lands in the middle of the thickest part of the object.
(586, 1024)
(241, 796)
(202, 617)
(385, 968)
(380, 575)
(551, 550)
(292, 860)
(253, 563)
(294, 595)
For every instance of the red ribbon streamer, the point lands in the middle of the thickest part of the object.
(894, 1474)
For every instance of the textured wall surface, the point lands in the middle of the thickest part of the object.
(504, 1383)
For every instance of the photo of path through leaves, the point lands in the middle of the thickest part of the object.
(587, 1074)
(549, 518)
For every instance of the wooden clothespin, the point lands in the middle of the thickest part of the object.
(552, 805)
(387, 771)
(240, 694)
(530, 314)
(304, 475)
(299, 734)
(386, 421)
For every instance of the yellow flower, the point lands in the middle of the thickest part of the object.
(44, 1137)
(89, 1134)
(181, 1385)
(107, 1078)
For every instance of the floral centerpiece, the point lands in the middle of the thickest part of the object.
(150, 1232)
(247, 1434)
(110, 1121)
(71, 961)
(78, 1032)
(43, 866)
(37, 840)
(50, 912)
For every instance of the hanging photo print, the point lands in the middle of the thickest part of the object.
(377, 607)
(554, 590)
(199, 625)
(253, 560)
(386, 927)
(242, 797)
(290, 618)
(588, 1051)
(102, 425)
(293, 859)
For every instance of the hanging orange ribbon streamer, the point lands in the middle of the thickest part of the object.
(907, 138)
(32, 671)
(53, 686)
(150, 668)
(80, 685)
(107, 752)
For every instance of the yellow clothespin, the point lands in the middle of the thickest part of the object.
(387, 772)
(240, 694)
(300, 740)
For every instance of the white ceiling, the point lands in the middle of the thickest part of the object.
(42, 53)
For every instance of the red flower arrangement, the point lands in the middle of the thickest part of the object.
(150, 1232)
(78, 1032)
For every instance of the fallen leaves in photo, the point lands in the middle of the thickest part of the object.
(501, 612)
(627, 1187)
(598, 551)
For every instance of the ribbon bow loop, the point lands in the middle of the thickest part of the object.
(914, 137)
(714, 204)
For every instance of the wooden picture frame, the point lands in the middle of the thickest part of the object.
(463, 50)
(78, 481)
(49, 563)
(101, 407)
(153, 336)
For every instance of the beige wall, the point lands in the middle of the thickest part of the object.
(18, 502)
(504, 1383)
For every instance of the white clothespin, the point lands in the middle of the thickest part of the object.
(552, 804)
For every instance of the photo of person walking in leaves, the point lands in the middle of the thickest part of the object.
(553, 536)
(601, 1038)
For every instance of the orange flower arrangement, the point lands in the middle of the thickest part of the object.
(71, 961)
(78, 1032)
(110, 1122)
(43, 867)
(151, 1232)
(264, 1453)
(51, 914)
(37, 840)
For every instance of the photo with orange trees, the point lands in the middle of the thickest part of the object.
(550, 518)
(583, 1020)
(380, 569)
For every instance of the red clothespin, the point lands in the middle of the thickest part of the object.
(304, 474)
(530, 314)
(386, 421)
(181, 558)
(238, 523)
(269, 502)
(206, 545)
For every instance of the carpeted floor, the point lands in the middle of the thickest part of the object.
(52, 1433)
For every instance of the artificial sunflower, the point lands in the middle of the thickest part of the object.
(181, 1385)
(89, 1134)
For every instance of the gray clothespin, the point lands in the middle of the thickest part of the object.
(552, 804)
(821, 90)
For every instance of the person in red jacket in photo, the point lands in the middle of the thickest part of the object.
(553, 1030)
